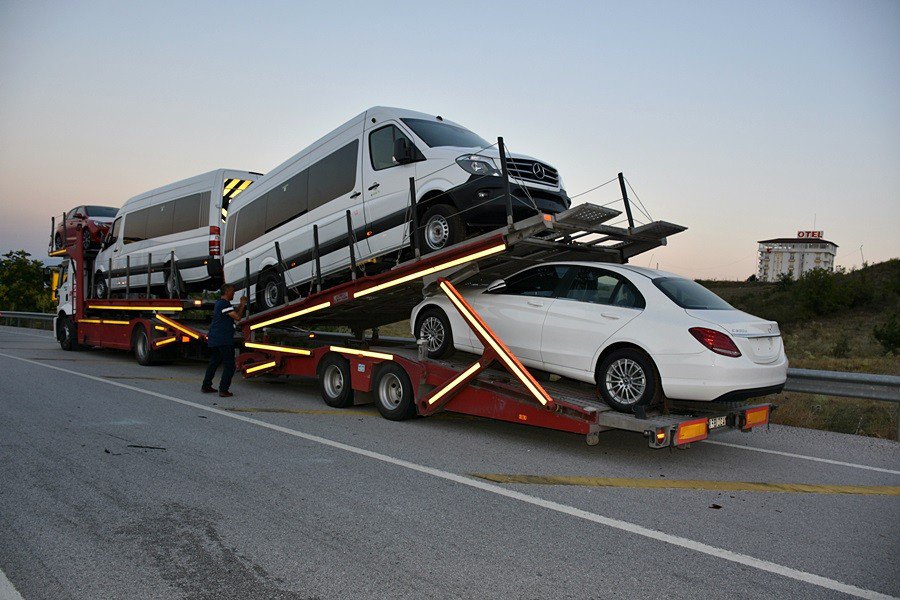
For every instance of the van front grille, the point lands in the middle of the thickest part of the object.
(532, 170)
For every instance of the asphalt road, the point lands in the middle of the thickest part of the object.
(119, 481)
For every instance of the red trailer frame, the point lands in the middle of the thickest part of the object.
(471, 389)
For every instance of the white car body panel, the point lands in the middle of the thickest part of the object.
(568, 337)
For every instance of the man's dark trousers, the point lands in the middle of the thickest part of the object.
(220, 355)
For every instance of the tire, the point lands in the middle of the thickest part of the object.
(173, 282)
(269, 291)
(394, 393)
(86, 239)
(334, 381)
(440, 228)
(143, 347)
(433, 325)
(57, 241)
(627, 378)
(68, 335)
(100, 289)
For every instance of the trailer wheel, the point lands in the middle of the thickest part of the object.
(57, 241)
(143, 347)
(68, 335)
(627, 378)
(86, 239)
(441, 227)
(433, 326)
(394, 393)
(334, 381)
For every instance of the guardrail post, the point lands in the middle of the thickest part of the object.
(505, 171)
(414, 225)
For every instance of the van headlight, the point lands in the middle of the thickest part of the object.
(478, 165)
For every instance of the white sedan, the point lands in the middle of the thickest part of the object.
(636, 333)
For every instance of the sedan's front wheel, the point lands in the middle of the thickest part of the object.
(627, 378)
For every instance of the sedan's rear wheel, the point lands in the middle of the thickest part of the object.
(627, 378)
(86, 239)
(433, 326)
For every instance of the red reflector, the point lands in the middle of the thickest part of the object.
(214, 241)
(716, 341)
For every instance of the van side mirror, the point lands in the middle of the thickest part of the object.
(404, 152)
(496, 286)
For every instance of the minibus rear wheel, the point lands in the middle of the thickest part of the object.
(441, 227)
(269, 291)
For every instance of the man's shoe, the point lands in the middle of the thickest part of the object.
(225, 394)
(208, 390)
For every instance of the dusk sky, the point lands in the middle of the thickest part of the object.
(742, 121)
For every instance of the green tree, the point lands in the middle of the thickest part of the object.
(22, 286)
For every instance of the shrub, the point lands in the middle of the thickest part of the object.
(888, 335)
(841, 348)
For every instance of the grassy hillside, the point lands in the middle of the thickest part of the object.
(833, 321)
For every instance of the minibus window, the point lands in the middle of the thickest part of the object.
(381, 146)
(286, 201)
(333, 176)
(435, 133)
(191, 212)
(135, 226)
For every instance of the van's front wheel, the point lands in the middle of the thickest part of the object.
(440, 228)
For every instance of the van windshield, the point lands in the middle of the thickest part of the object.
(435, 133)
(101, 211)
(690, 294)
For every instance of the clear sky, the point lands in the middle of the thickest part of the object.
(742, 121)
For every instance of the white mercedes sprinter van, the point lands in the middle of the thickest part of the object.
(364, 166)
(184, 218)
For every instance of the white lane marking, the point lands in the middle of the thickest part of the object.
(804, 457)
(7, 590)
(736, 557)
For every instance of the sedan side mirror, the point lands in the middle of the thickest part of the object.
(496, 286)
(78, 216)
(403, 151)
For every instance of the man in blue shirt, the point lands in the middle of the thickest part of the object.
(221, 341)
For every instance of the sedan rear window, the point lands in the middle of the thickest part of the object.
(690, 294)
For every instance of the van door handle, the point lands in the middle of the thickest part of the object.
(373, 186)
(533, 303)
(355, 194)
(609, 316)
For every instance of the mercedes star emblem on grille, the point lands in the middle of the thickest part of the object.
(538, 170)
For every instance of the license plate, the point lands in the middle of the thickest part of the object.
(715, 422)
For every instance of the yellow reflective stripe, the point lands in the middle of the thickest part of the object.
(180, 328)
(356, 352)
(159, 308)
(431, 270)
(267, 365)
(291, 315)
(284, 349)
(165, 341)
(447, 388)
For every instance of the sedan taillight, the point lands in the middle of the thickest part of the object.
(215, 244)
(716, 341)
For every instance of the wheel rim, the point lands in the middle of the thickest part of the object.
(271, 294)
(86, 239)
(100, 289)
(626, 381)
(142, 345)
(57, 240)
(437, 232)
(67, 333)
(333, 380)
(433, 331)
(390, 391)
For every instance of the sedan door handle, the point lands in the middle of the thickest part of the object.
(533, 303)
(609, 316)
(355, 194)
(373, 186)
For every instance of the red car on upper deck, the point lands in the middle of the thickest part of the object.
(94, 221)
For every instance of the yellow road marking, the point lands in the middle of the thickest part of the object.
(693, 484)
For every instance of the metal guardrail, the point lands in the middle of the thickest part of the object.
(838, 383)
(19, 317)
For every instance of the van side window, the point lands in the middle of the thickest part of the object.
(159, 219)
(116, 227)
(135, 226)
(191, 212)
(251, 222)
(333, 176)
(230, 230)
(381, 146)
(287, 201)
